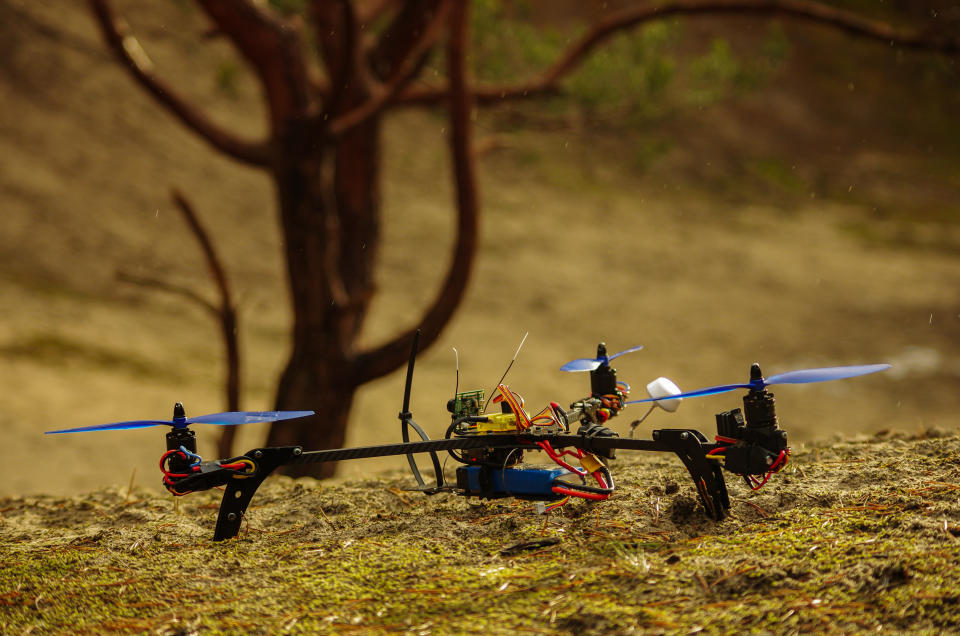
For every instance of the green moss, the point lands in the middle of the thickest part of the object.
(371, 563)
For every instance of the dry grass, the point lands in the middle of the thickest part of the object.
(852, 536)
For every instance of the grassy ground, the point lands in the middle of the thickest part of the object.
(853, 536)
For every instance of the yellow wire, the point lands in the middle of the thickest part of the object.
(562, 502)
(250, 465)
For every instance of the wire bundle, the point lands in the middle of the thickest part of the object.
(752, 481)
(240, 467)
(601, 474)
(171, 478)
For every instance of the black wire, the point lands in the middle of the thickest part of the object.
(453, 429)
(453, 453)
(586, 488)
(503, 471)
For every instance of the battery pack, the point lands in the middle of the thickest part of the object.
(522, 482)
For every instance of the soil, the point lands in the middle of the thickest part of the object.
(852, 536)
(810, 221)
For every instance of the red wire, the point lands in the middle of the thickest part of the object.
(583, 495)
(600, 480)
(548, 449)
(163, 461)
(777, 465)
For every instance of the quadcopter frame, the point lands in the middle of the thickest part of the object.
(749, 442)
(689, 445)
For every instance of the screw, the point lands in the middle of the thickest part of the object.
(232, 516)
(656, 435)
(769, 460)
(297, 452)
(684, 435)
(257, 454)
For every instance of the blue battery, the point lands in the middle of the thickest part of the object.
(522, 482)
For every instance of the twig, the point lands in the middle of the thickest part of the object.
(703, 583)
(763, 513)
(399, 495)
(130, 487)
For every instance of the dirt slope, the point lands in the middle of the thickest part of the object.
(803, 223)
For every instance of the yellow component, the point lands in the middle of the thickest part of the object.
(591, 463)
(498, 423)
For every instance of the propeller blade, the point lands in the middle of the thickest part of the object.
(805, 376)
(222, 419)
(802, 376)
(713, 390)
(589, 364)
(247, 417)
(116, 426)
(581, 364)
(620, 353)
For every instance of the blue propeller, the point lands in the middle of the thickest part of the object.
(589, 364)
(181, 421)
(802, 376)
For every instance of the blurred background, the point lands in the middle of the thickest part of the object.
(720, 190)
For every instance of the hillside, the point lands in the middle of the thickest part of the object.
(808, 219)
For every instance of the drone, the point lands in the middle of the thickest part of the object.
(490, 446)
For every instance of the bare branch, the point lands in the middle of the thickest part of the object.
(226, 314)
(374, 9)
(128, 50)
(401, 34)
(273, 47)
(392, 355)
(804, 10)
(206, 245)
(483, 95)
(337, 32)
(171, 288)
(402, 74)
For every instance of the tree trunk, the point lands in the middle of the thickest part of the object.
(328, 197)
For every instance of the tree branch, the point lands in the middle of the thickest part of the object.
(336, 29)
(403, 72)
(401, 35)
(128, 50)
(274, 49)
(226, 313)
(804, 10)
(171, 288)
(217, 272)
(374, 9)
(373, 364)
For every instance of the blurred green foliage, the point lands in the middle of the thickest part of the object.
(631, 79)
(288, 6)
(228, 73)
